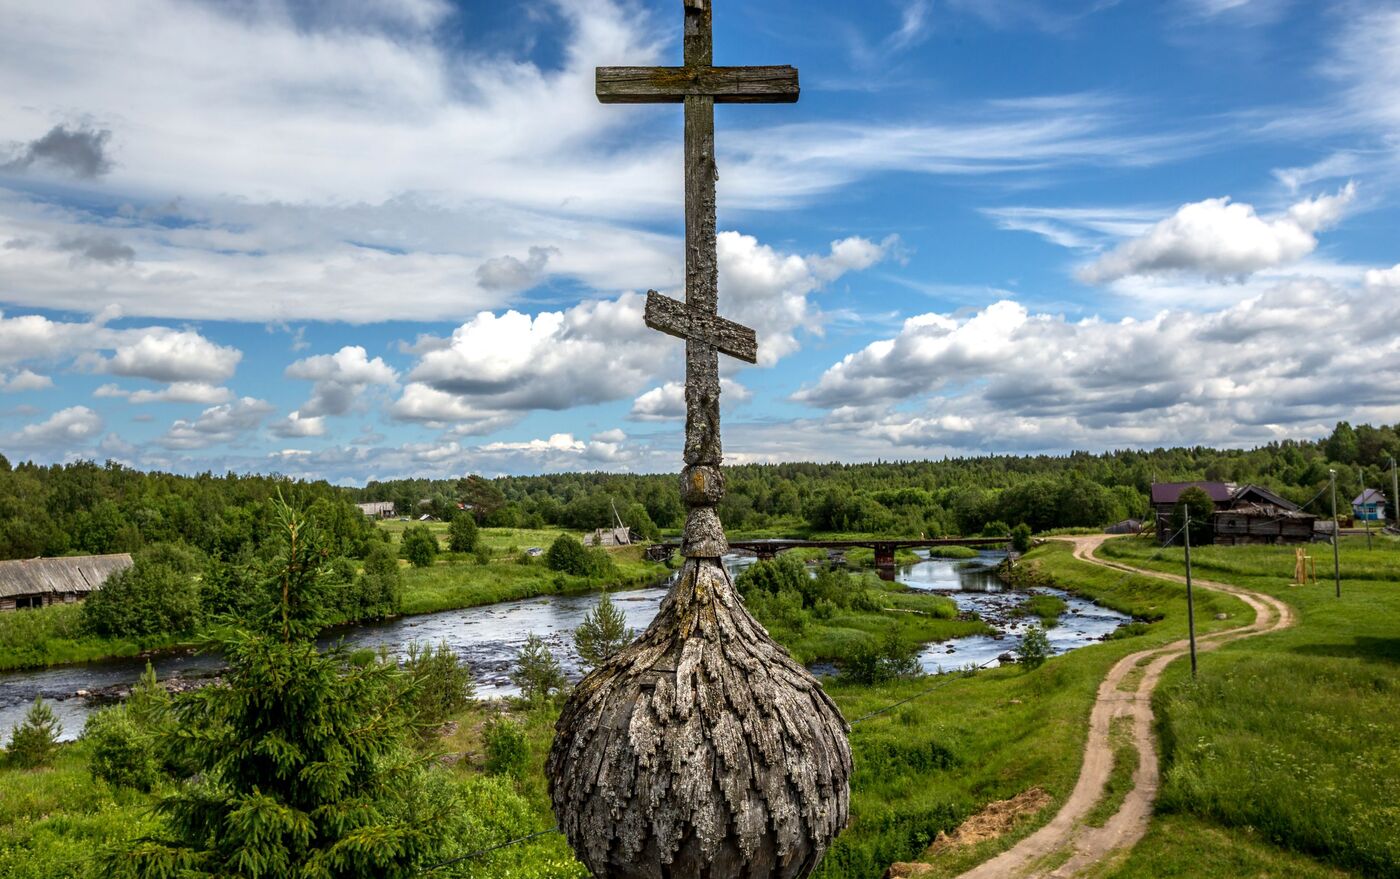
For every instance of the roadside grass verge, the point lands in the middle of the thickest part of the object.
(1292, 734)
(1182, 847)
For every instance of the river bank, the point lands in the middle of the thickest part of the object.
(488, 636)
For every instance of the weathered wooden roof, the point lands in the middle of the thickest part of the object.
(374, 508)
(83, 573)
(1170, 492)
(1264, 511)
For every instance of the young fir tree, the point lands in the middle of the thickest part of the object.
(602, 633)
(300, 765)
(33, 742)
(537, 672)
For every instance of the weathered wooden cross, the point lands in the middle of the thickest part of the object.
(700, 85)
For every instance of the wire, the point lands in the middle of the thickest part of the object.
(482, 851)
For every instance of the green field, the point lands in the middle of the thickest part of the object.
(1287, 743)
(1288, 738)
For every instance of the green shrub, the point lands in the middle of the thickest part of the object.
(602, 633)
(1035, 648)
(996, 528)
(568, 556)
(507, 751)
(879, 662)
(537, 673)
(1021, 538)
(462, 535)
(418, 546)
(33, 742)
(482, 554)
(1202, 510)
(440, 683)
(380, 587)
(155, 596)
(120, 752)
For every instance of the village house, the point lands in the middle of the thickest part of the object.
(1369, 506)
(618, 536)
(378, 509)
(30, 583)
(1242, 514)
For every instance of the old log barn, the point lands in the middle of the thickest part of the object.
(1243, 513)
(378, 509)
(28, 583)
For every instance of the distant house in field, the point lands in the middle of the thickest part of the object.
(30, 583)
(378, 509)
(618, 536)
(1242, 514)
(1369, 506)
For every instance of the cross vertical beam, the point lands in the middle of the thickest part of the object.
(699, 85)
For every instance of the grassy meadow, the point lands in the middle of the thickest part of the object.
(1288, 739)
(1280, 762)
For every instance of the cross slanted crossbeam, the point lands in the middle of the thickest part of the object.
(700, 85)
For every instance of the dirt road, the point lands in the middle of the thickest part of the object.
(1067, 846)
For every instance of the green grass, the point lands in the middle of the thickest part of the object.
(454, 582)
(53, 636)
(1181, 847)
(1292, 735)
(55, 821)
(913, 617)
(1047, 607)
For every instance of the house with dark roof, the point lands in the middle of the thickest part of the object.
(29, 583)
(1369, 506)
(1258, 514)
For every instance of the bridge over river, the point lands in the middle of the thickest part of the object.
(884, 548)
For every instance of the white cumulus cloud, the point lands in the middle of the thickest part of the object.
(1219, 238)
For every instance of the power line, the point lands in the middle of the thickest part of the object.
(483, 851)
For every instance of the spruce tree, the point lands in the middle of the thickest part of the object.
(300, 760)
(33, 742)
(537, 673)
(602, 633)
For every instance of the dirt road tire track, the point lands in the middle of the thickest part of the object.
(1086, 847)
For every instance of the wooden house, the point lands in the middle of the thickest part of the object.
(29, 583)
(1255, 522)
(620, 535)
(1369, 506)
(1166, 494)
(378, 509)
(1262, 514)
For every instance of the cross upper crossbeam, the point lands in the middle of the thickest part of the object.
(672, 85)
(676, 318)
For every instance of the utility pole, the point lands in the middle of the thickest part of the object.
(1394, 495)
(1336, 538)
(1190, 602)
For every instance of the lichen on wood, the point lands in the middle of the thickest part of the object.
(701, 750)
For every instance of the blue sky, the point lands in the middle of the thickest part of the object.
(362, 240)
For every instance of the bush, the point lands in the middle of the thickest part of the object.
(878, 663)
(462, 535)
(537, 673)
(602, 633)
(1021, 538)
(418, 546)
(482, 554)
(33, 742)
(440, 684)
(155, 596)
(1035, 648)
(996, 528)
(507, 752)
(568, 556)
(120, 752)
(380, 587)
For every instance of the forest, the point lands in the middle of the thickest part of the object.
(84, 507)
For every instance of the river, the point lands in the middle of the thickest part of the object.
(488, 637)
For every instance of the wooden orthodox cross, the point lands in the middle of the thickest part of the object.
(700, 85)
(701, 750)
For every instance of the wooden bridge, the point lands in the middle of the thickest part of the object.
(884, 549)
